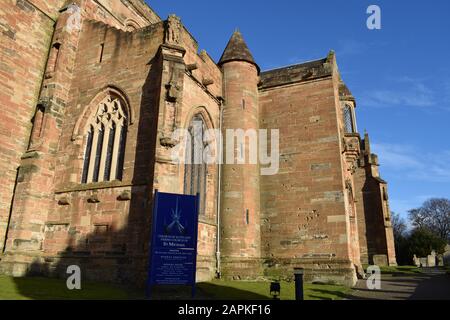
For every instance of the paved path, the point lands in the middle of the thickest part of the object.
(432, 284)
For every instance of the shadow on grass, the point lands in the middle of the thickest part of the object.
(327, 294)
(261, 291)
(38, 288)
(223, 292)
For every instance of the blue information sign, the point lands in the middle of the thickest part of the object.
(173, 256)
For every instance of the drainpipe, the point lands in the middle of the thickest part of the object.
(5, 240)
(219, 189)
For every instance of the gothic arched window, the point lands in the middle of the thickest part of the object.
(348, 119)
(105, 142)
(196, 169)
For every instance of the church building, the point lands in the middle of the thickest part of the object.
(92, 92)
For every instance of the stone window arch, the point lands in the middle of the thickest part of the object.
(195, 168)
(105, 141)
(131, 25)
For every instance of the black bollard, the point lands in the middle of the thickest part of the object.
(298, 272)
(275, 290)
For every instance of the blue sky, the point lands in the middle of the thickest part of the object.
(400, 75)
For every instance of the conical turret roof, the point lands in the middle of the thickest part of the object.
(237, 50)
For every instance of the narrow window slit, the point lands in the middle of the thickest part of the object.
(102, 50)
(121, 155)
(38, 124)
(54, 57)
(98, 155)
(109, 153)
(87, 156)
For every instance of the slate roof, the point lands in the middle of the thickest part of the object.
(237, 50)
(295, 73)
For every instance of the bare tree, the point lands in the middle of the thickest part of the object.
(398, 225)
(433, 215)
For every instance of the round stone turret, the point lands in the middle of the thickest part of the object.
(240, 204)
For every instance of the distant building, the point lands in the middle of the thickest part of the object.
(91, 93)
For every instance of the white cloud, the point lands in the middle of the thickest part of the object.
(408, 164)
(408, 92)
(396, 156)
(412, 164)
(446, 94)
(351, 47)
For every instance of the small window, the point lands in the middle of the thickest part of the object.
(348, 119)
(105, 143)
(38, 124)
(54, 57)
(247, 217)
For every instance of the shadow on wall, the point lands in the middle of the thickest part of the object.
(107, 255)
(374, 222)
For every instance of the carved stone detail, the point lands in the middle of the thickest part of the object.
(173, 30)
(93, 199)
(191, 67)
(168, 142)
(64, 201)
(207, 82)
(173, 91)
(125, 196)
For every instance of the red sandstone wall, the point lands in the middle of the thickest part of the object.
(361, 207)
(170, 176)
(120, 13)
(112, 226)
(372, 231)
(207, 68)
(25, 40)
(131, 64)
(303, 210)
(194, 98)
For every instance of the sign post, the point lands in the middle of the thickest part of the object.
(173, 254)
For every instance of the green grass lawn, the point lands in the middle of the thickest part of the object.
(55, 289)
(399, 270)
(241, 290)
